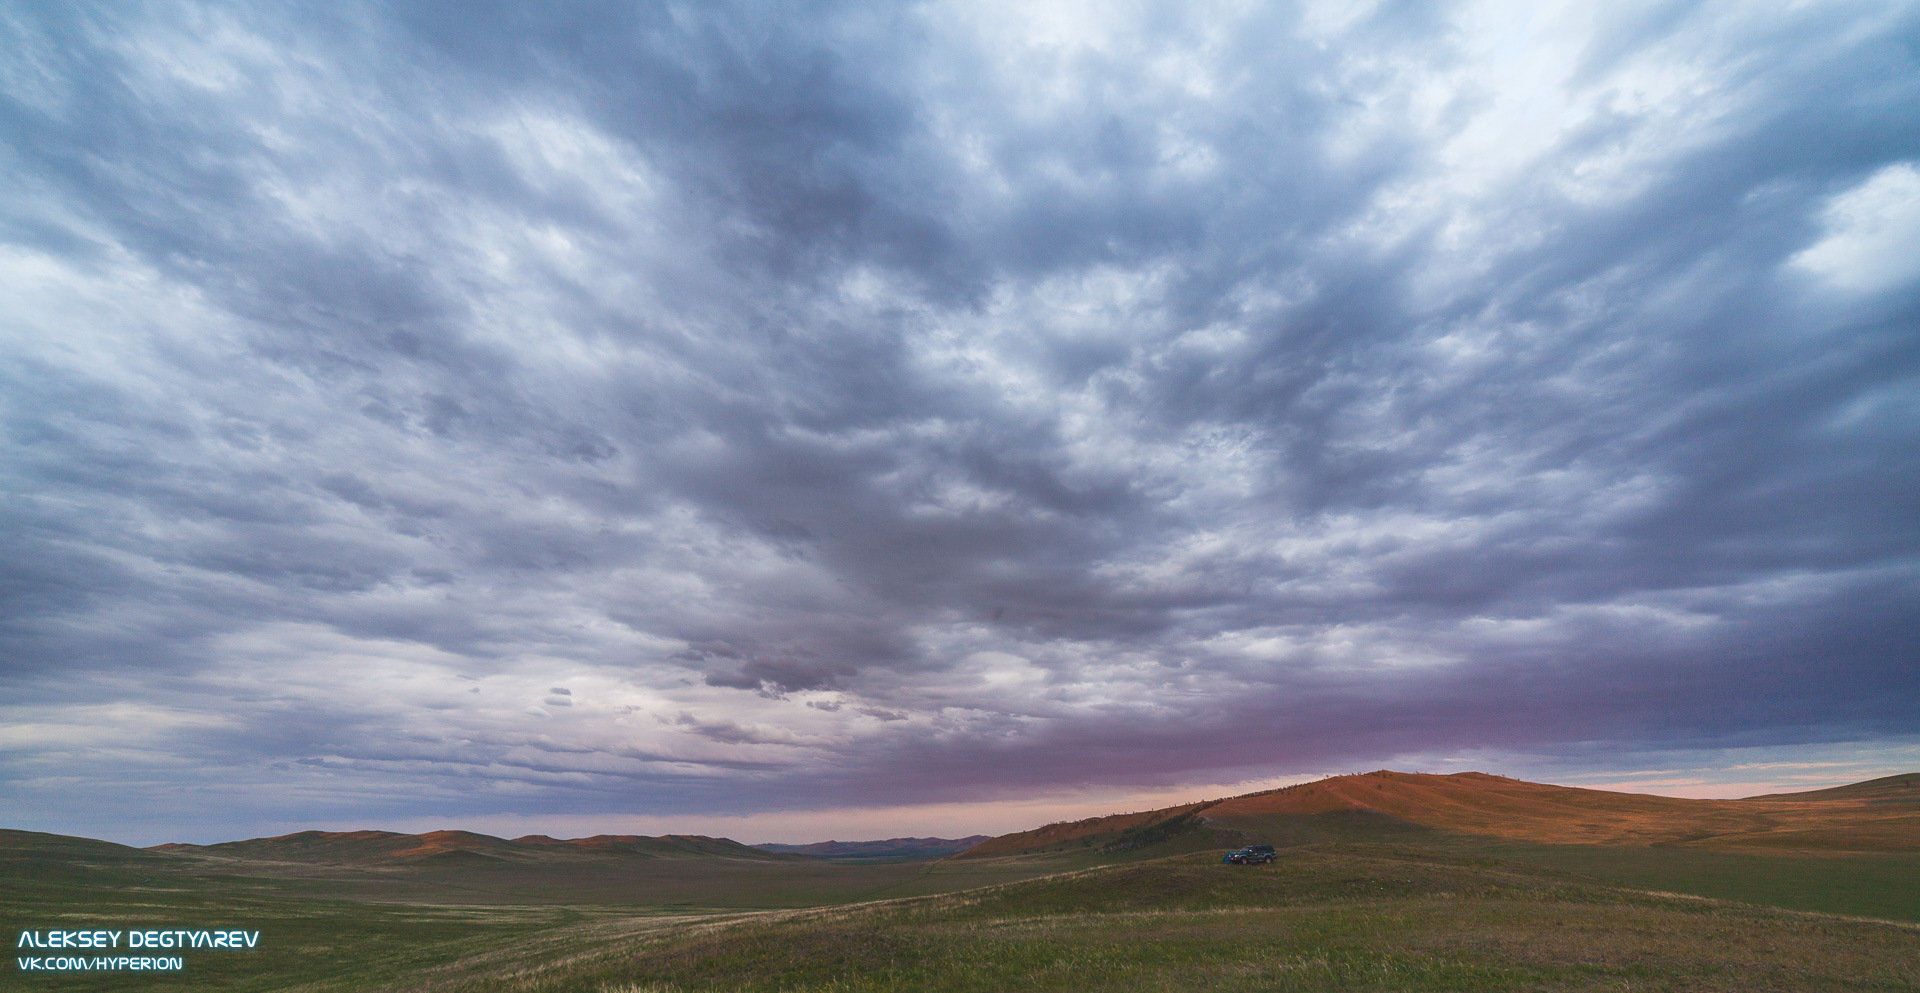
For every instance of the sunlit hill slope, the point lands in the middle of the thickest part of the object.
(1880, 815)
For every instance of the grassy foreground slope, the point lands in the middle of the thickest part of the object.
(1324, 918)
(1883, 885)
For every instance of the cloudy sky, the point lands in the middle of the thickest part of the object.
(793, 420)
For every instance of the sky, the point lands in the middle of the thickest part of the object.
(804, 420)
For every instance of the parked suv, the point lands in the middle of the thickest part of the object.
(1250, 855)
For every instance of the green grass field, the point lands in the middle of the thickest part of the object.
(1881, 885)
(1328, 916)
(361, 929)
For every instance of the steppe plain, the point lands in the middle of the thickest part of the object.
(1385, 881)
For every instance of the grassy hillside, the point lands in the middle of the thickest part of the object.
(1821, 855)
(1324, 918)
(1479, 804)
(1904, 788)
(1880, 816)
(1881, 885)
(1069, 833)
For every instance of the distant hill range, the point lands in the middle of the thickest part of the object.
(1879, 815)
(899, 849)
(1882, 815)
(378, 849)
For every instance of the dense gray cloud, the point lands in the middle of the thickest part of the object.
(668, 408)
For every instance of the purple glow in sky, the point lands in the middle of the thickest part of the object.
(813, 420)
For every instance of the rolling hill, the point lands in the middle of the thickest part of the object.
(904, 849)
(683, 872)
(1904, 788)
(381, 849)
(1876, 816)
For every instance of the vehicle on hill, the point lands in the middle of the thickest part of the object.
(1250, 855)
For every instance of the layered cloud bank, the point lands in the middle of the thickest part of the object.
(715, 409)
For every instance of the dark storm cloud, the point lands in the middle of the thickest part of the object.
(651, 407)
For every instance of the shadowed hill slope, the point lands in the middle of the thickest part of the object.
(1066, 833)
(1904, 788)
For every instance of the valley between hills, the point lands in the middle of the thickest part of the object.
(1384, 881)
